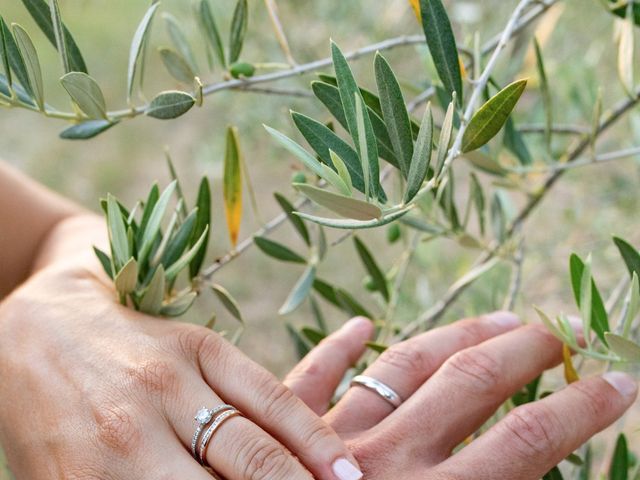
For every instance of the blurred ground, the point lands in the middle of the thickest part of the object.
(580, 215)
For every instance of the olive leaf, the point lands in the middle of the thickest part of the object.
(300, 291)
(446, 136)
(624, 348)
(153, 296)
(228, 301)
(86, 93)
(178, 306)
(442, 45)
(377, 276)
(238, 32)
(30, 63)
(344, 206)
(351, 224)
(87, 130)
(179, 40)
(232, 185)
(170, 104)
(203, 220)
(277, 250)
(546, 93)
(629, 254)
(296, 221)
(599, 317)
(176, 65)
(492, 116)
(43, 14)
(395, 113)
(138, 46)
(421, 157)
(210, 29)
(619, 469)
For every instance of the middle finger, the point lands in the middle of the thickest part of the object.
(406, 366)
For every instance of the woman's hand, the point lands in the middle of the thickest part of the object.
(452, 380)
(93, 390)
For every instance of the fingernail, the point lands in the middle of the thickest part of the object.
(504, 319)
(576, 323)
(345, 470)
(357, 323)
(622, 382)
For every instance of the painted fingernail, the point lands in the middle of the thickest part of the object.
(504, 319)
(622, 382)
(345, 470)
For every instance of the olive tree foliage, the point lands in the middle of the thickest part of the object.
(376, 160)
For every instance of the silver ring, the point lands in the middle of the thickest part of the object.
(211, 429)
(203, 418)
(376, 386)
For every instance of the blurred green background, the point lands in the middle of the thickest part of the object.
(580, 215)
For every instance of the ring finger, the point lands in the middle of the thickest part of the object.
(406, 366)
(238, 449)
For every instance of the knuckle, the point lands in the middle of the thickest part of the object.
(406, 357)
(596, 401)
(315, 436)
(155, 377)
(117, 429)
(275, 400)
(476, 369)
(264, 459)
(533, 431)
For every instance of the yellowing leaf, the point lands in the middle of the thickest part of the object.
(232, 189)
(570, 374)
(416, 7)
(463, 69)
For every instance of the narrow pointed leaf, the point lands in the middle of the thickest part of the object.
(179, 40)
(277, 250)
(553, 474)
(61, 41)
(378, 277)
(314, 336)
(153, 296)
(629, 254)
(117, 233)
(342, 205)
(599, 317)
(176, 65)
(367, 149)
(87, 130)
(233, 185)
(203, 224)
(624, 348)
(170, 104)
(619, 468)
(354, 224)
(446, 135)
(105, 261)
(228, 301)
(185, 259)
(299, 292)
(442, 45)
(302, 348)
(342, 170)
(296, 221)
(40, 11)
(86, 93)
(322, 139)
(15, 59)
(137, 46)
(421, 158)
(514, 142)
(586, 295)
(309, 161)
(492, 116)
(31, 63)
(239, 25)
(180, 241)
(570, 373)
(127, 278)
(151, 228)
(632, 305)
(4, 55)
(626, 44)
(395, 113)
(546, 93)
(211, 30)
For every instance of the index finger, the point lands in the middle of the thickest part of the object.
(535, 437)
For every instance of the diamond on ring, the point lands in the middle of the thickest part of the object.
(204, 416)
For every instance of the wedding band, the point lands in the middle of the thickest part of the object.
(211, 430)
(378, 387)
(203, 418)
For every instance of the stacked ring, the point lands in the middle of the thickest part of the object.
(209, 421)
